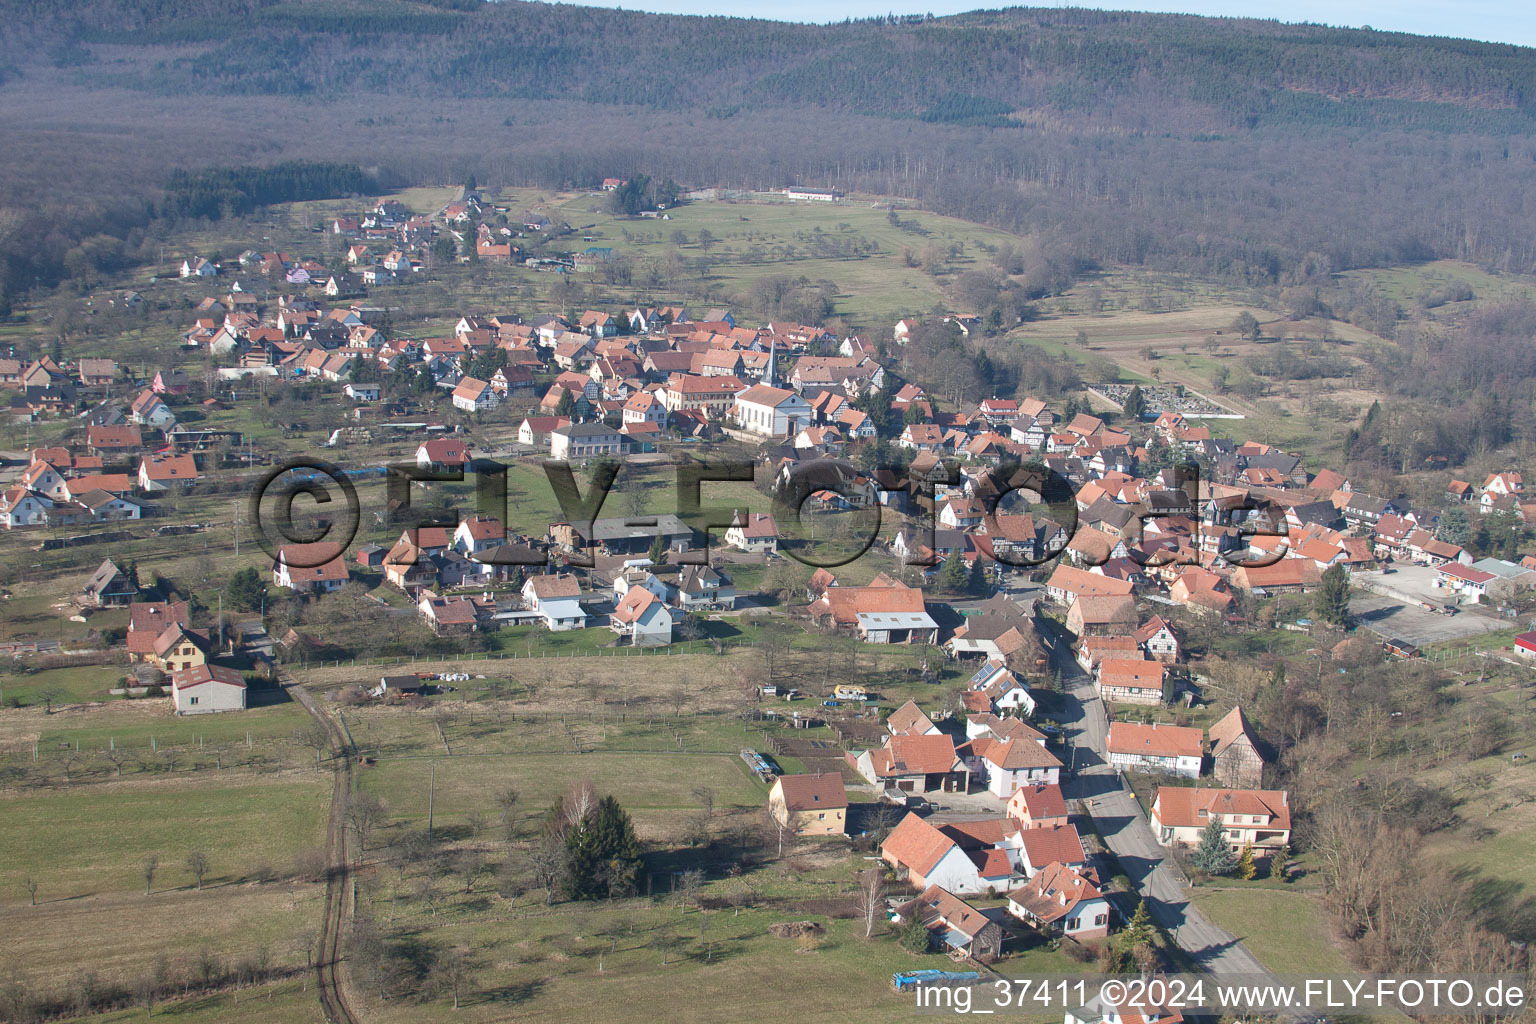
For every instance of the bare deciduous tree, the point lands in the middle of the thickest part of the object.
(506, 803)
(779, 832)
(870, 900)
(450, 974)
(197, 863)
(364, 813)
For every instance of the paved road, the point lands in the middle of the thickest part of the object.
(1119, 820)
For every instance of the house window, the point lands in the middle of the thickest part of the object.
(1072, 923)
(1100, 919)
(191, 700)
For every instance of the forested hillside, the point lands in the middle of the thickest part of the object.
(1245, 151)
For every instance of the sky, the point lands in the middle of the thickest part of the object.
(1502, 21)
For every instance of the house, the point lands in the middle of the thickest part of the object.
(442, 454)
(1260, 818)
(20, 507)
(160, 473)
(1173, 749)
(474, 395)
(1129, 1009)
(447, 616)
(1003, 633)
(994, 688)
(1471, 583)
(206, 689)
(1501, 485)
(704, 588)
(585, 441)
(645, 407)
(1037, 805)
(1062, 900)
(150, 410)
(642, 619)
(361, 392)
(111, 441)
(599, 325)
(1067, 583)
(1130, 681)
(557, 600)
(909, 720)
(957, 927)
(885, 612)
(621, 535)
(771, 412)
(1158, 640)
(1038, 848)
(535, 430)
(1096, 615)
(1237, 758)
(148, 620)
(753, 532)
(109, 586)
(194, 267)
(914, 764)
(924, 855)
(316, 568)
(815, 805)
(477, 534)
(1015, 762)
(179, 648)
(1525, 645)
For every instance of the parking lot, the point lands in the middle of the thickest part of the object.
(1389, 604)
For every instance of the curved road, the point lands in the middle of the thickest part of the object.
(333, 998)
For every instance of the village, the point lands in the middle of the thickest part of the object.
(1055, 759)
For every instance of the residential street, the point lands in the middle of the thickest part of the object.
(1119, 820)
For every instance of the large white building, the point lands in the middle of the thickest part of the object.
(771, 412)
(585, 441)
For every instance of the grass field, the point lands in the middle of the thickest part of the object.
(1287, 930)
(91, 840)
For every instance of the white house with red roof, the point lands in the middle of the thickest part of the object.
(958, 857)
(478, 533)
(1104, 1010)
(474, 395)
(753, 532)
(1260, 818)
(1174, 749)
(442, 453)
(1040, 805)
(1061, 899)
(557, 599)
(160, 473)
(1038, 847)
(206, 689)
(642, 618)
(316, 568)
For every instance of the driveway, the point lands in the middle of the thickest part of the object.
(1118, 817)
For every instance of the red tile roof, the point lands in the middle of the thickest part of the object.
(1059, 843)
(1155, 741)
(813, 792)
(916, 845)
